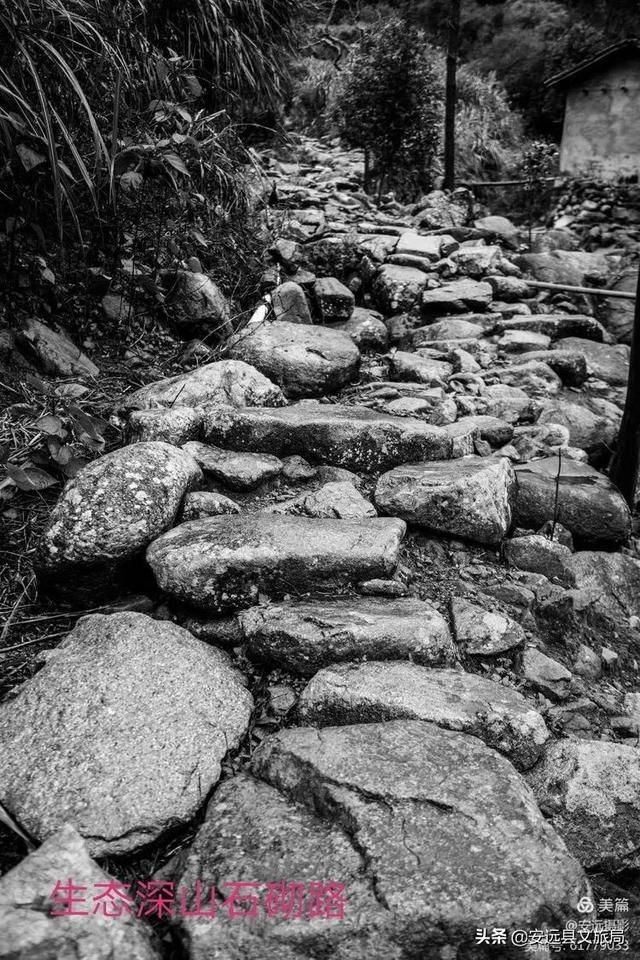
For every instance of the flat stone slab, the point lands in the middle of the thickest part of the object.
(306, 361)
(521, 341)
(431, 247)
(415, 368)
(116, 505)
(238, 471)
(303, 637)
(285, 842)
(30, 931)
(226, 381)
(429, 811)
(121, 733)
(555, 325)
(582, 500)
(608, 362)
(373, 692)
(451, 328)
(590, 789)
(469, 498)
(345, 436)
(223, 563)
(459, 296)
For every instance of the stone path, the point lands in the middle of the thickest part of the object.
(389, 500)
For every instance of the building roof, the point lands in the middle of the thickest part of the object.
(602, 59)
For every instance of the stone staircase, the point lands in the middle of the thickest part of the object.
(394, 511)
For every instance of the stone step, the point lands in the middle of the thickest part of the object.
(432, 834)
(354, 437)
(468, 498)
(303, 637)
(377, 691)
(577, 496)
(306, 361)
(223, 563)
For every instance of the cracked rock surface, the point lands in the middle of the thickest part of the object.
(81, 743)
(434, 833)
(305, 636)
(29, 931)
(224, 562)
(357, 693)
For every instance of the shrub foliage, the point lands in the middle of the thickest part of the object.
(387, 101)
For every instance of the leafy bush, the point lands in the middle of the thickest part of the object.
(75, 76)
(387, 101)
(488, 132)
(396, 111)
(236, 47)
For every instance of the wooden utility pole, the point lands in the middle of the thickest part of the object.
(451, 96)
(626, 461)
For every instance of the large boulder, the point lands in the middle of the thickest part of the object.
(430, 811)
(226, 381)
(590, 791)
(575, 495)
(609, 581)
(608, 362)
(223, 563)
(373, 692)
(81, 744)
(468, 498)
(556, 325)
(345, 436)
(306, 361)
(288, 855)
(38, 924)
(593, 423)
(116, 506)
(302, 637)
(573, 267)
